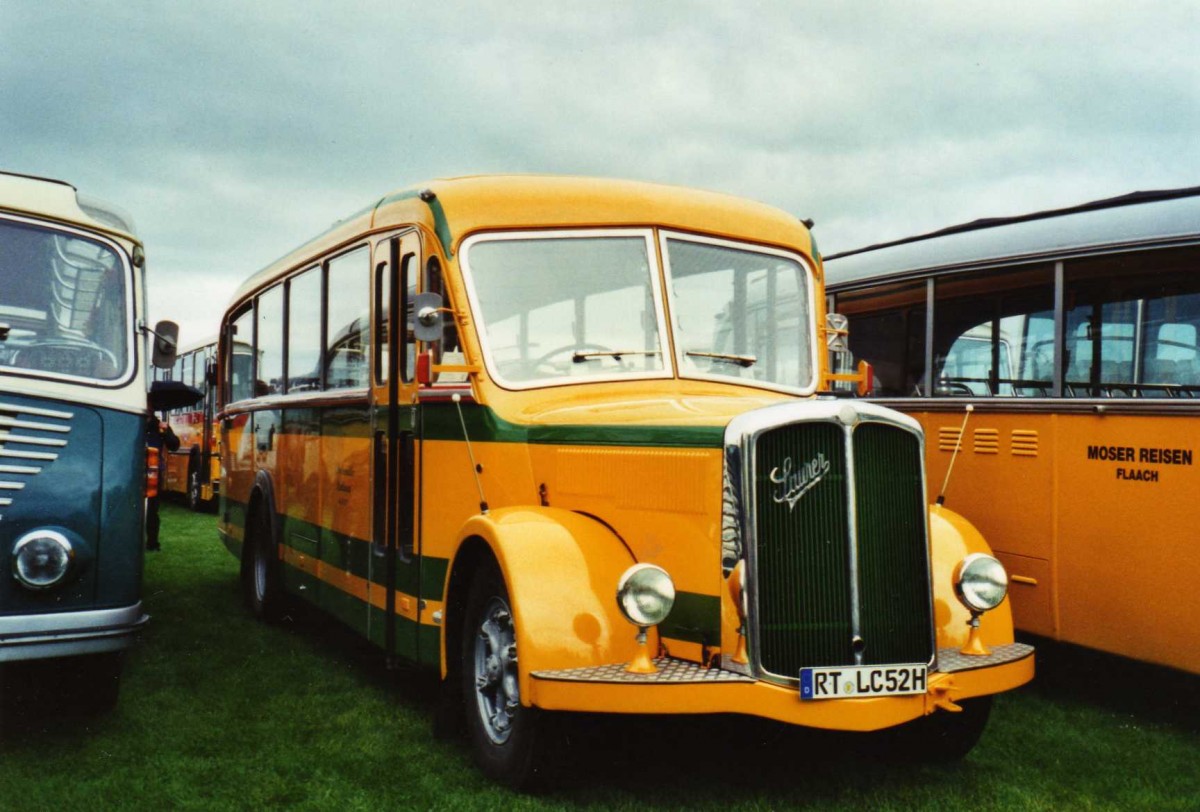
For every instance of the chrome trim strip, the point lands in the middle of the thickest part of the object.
(120, 619)
(11, 407)
(5, 502)
(28, 424)
(11, 486)
(26, 440)
(19, 469)
(27, 455)
(1167, 407)
(435, 393)
(852, 537)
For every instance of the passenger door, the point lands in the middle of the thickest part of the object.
(394, 570)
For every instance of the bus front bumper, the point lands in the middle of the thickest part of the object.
(66, 634)
(683, 687)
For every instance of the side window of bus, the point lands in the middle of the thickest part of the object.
(1132, 325)
(304, 332)
(349, 332)
(993, 335)
(241, 357)
(449, 351)
(408, 277)
(877, 318)
(269, 343)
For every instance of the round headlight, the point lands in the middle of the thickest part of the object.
(980, 582)
(645, 594)
(42, 559)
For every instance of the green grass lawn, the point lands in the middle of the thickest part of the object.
(221, 712)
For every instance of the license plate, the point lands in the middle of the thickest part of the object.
(841, 682)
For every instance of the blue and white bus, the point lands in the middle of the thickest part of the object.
(73, 411)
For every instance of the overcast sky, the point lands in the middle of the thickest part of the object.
(234, 131)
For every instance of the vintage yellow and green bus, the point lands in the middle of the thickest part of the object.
(1075, 336)
(529, 432)
(73, 458)
(194, 469)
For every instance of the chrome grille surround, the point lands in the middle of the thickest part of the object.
(740, 510)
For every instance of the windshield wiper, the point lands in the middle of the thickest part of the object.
(581, 356)
(740, 360)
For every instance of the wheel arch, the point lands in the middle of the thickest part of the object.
(952, 538)
(561, 570)
(262, 497)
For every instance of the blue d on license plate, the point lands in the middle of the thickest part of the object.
(842, 682)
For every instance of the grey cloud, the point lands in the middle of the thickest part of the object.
(235, 131)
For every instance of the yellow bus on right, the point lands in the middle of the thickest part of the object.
(1054, 361)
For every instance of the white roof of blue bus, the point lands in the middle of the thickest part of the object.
(1143, 219)
(59, 200)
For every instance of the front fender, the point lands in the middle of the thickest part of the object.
(952, 538)
(561, 569)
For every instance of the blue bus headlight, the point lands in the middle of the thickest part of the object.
(42, 558)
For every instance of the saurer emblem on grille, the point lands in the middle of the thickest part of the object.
(791, 484)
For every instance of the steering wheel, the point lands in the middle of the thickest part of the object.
(544, 358)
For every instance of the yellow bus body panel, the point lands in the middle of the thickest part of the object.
(1072, 531)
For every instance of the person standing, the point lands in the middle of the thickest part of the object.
(160, 436)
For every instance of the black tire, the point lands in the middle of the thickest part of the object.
(941, 738)
(262, 587)
(508, 740)
(99, 682)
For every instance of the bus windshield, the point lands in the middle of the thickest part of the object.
(568, 307)
(63, 304)
(740, 313)
(577, 306)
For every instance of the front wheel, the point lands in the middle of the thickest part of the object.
(507, 738)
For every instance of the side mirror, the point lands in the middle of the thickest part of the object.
(427, 316)
(166, 343)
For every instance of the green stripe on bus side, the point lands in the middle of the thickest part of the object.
(695, 618)
(415, 642)
(423, 577)
(441, 422)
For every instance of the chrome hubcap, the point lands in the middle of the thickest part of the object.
(496, 690)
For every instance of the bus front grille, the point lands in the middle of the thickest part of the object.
(835, 587)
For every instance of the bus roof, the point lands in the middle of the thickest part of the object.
(454, 208)
(59, 200)
(1136, 220)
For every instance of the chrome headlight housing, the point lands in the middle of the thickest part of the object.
(42, 559)
(645, 594)
(980, 582)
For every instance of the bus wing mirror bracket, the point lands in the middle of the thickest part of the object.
(427, 317)
(166, 343)
(837, 330)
